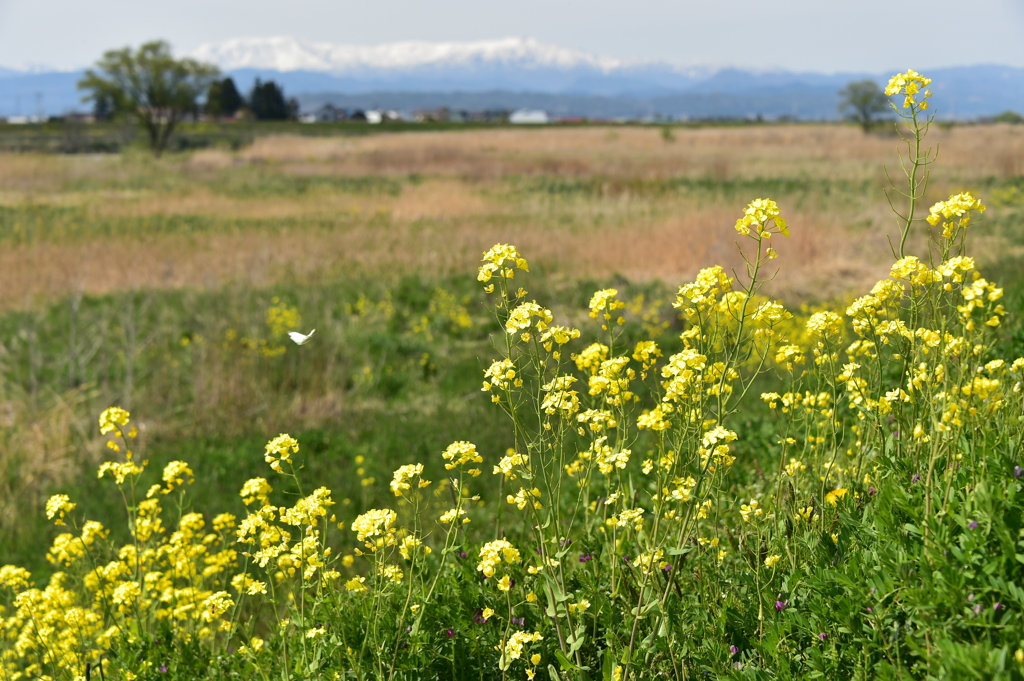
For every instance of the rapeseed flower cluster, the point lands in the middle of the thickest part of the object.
(910, 84)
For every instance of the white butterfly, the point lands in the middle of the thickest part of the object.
(299, 338)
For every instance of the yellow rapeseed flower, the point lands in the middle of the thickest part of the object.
(756, 217)
(402, 477)
(501, 259)
(909, 84)
(835, 495)
(58, 505)
(280, 449)
(113, 418)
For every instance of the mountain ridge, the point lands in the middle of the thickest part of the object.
(418, 74)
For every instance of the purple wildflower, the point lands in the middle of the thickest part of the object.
(916, 478)
(977, 609)
(781, 605)
(997, 606)
(973, 525)
(462, 554)
(478, 618)
(584, 557)
(1018, 472)
(733, 649)
(822, 636)
(450, 633)
(163, 669)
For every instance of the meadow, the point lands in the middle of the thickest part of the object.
(168, 288)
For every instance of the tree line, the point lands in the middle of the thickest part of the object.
(159, 91)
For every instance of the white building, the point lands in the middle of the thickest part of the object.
(529, 117)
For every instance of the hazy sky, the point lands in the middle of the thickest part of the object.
(818, 35)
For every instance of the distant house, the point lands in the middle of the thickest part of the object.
(328, 113)
(529, 117)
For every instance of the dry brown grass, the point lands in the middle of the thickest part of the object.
(766, 151)
(820, 257)
(444, 222)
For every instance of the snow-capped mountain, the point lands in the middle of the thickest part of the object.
(290, 54)
(285, 53)
(416, 66)
(516, 72)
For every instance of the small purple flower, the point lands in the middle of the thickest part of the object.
(977, 609)
(668, 567)
(511, 582)
(970, 598)
(1018, 472)
(737, 665)
(478, 618)
(973, 525)
(584, 557)
(462, 554)
(997, 606)
(520, 621)
(781, 605)
(870, 610)
(450, 633)
(733, 650)
(822, 636)
(872, 491)
(163, 669)
(565, 542)
(625, 559)
(916, 478)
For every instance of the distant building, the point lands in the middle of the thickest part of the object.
(328, 113)
(25, 120)
(529, 117)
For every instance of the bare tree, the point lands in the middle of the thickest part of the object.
(151, 85)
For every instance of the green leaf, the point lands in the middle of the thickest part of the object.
(608, 666)
(680, 552)
(577, 639)
(564, 662)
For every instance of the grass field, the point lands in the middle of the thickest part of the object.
(167, 286)
(109, 262)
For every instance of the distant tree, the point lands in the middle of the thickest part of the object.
(223, 99)
(149, 84)
(862, 101)
(103, 108)
(267, 102)
(1008, 117)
